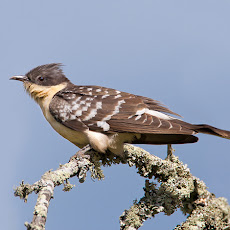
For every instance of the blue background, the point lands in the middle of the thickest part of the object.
(177, 52)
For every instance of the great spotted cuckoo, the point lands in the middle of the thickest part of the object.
(106, 118)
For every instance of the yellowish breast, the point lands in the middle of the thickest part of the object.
(43, 96)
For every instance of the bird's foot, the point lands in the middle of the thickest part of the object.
(82, 153)
(170, 151)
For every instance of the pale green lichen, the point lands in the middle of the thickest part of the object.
(177, 189)
(95, 167)
(67, 186)
(132, 219)
(214, 215)
(33, 226)
(23, 190)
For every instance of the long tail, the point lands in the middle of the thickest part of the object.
(208, 129)
(203, 128)
(182, 135)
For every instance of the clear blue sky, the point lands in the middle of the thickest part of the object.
(177, 52)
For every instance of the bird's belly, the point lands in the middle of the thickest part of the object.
(77, 138)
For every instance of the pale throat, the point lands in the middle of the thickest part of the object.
(43, 94)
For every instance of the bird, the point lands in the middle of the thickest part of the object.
(104, 118)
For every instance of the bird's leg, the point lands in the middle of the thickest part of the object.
(170, 151)
(82, 153)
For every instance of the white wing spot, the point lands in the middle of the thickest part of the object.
(140, 112)
(154, 113)
(104, 96)
(93, 112)
(82, 102)
(115, 111)
(71, 96)
(99, 105)
(72, 117)
(85, 108)
(138, 117)
(75, 101)
(75, 107)
(98, 90)
(78, 113)
(117, 96)
(158, 114)
(105, 126)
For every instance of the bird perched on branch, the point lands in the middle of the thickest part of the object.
(106, 118)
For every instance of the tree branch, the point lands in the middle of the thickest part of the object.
(178, 189)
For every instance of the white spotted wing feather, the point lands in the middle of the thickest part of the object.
(110, 111)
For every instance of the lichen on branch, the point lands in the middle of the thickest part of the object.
(178, 189)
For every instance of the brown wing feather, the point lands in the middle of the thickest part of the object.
(108, 110)
(157, 106)
(60, 110)
(162, 139)
(153, 125)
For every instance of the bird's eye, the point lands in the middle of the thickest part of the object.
(41, 78)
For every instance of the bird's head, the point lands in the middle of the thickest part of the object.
(40, 80)
(44, 75)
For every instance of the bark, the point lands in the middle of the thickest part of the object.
(178, 189)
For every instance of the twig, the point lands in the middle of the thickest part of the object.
(178, 189)
(45, 187)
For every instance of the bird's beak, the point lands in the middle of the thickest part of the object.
(20, 78)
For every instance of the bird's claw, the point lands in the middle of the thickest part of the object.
(82, 153)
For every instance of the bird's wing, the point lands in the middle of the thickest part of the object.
(107, 110)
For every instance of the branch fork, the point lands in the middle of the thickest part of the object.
(178, 189)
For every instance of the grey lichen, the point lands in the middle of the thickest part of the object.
(177, 189)
(67, 186)
(209, 213)
(23, 190)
